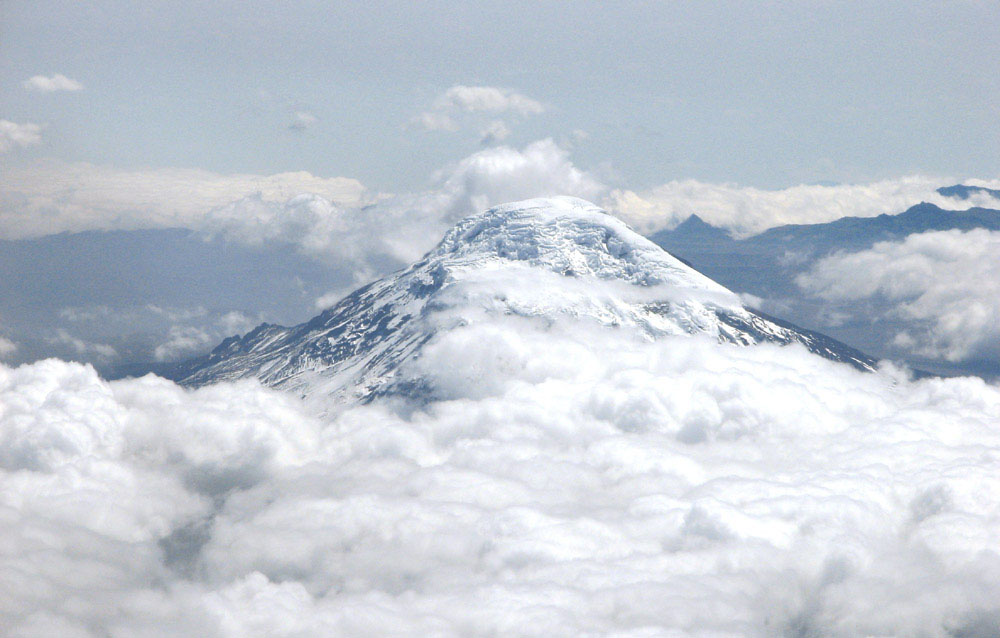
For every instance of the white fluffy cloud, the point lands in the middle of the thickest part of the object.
(13, 134)
(504, 174)
(574, 483)
(747, 210)
(948, 282)
(57, 82)
(55, 197)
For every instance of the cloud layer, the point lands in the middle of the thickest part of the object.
(177, 333)
(947, 283)
(575, 482)
(55, 197)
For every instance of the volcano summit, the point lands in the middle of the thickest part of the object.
(552, 264)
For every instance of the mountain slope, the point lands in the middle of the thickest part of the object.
(550, 262)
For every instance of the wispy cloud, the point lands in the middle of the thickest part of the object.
(7, 348)
(489, 99)
(51, 84)
(187, 340)
(302, 120)
(20, 135)
(461, 105)
(495, 131)
(81, 348)
(436, 121)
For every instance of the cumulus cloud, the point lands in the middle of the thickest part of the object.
(748, 210)
(946, 282)
(503, 174)
(57, 82)
(53, 197)
(572, 482)
(18, 135)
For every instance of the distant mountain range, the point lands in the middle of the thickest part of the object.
(765, 265)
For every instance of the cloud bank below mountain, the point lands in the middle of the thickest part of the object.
(574, 482)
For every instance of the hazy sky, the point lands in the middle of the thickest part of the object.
(763, 94)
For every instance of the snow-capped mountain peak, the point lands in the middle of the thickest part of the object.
(569, 236)
(557, 264)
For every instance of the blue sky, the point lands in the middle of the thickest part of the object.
(763, 94)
